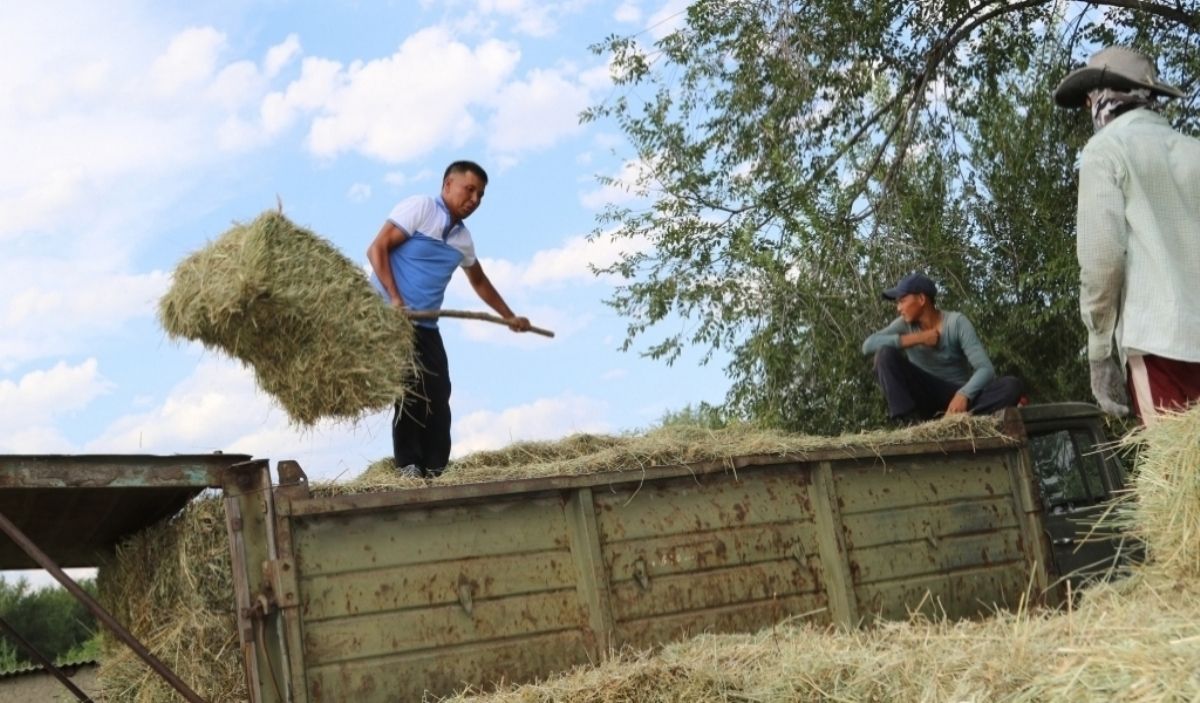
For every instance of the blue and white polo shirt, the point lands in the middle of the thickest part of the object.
(436, 246)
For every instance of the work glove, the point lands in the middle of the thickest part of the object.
(1108, 385)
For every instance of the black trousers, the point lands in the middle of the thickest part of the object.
(913, 394)
(421, 428)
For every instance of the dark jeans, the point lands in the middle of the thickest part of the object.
(913, 394)
(421, 429)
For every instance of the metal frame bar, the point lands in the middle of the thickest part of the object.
(43, 660)
(16, 535)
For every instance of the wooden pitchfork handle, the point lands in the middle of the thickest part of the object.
(467, 315)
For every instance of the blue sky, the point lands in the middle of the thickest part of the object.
(134, 132)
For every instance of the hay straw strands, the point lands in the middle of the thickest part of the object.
(172, 586)
(675, 445)
(302, 315)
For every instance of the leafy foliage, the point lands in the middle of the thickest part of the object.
(50, 619)
(795, 158)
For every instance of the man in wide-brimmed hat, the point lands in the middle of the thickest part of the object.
(1138, 235)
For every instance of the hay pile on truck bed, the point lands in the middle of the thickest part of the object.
(303, 316)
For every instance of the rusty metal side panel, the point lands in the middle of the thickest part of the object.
(940, 534)
(713, 553)
(397, 603)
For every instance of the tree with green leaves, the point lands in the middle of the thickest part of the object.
(792, 159)
(50, 619)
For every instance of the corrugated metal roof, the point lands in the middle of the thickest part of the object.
(75, 508)
(66, 667)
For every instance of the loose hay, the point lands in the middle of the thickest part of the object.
(686, 444)
(300, 314)
(172, 587)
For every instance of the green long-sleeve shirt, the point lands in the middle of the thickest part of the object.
(959, 356)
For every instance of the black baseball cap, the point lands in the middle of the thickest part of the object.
(912, 283)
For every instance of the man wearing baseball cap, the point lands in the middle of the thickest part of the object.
(1138, 237)
(930, 361)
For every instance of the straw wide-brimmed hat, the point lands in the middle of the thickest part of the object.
(1114, 67)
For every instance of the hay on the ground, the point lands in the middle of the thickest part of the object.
(300, 314)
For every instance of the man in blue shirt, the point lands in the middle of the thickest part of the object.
(413, 257)
(929, 361)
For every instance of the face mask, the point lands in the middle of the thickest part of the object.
(1108, 104)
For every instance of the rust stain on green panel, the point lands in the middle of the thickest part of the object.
(437, 583)
(689, 505)
(929, 522)
(748, 616)
(380, 634)
(898, 561)
(920, 481)
(405, 678)
(366, 541)
(698, 551)
(965, 594)
(690, 593)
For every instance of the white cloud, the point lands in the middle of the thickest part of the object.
(190, 58)
(359, 193)
(537, 112)
(399, 107)
(549, 269)
(30, 404)
(536, 18)
(280, 55)
(108, 113)
(219, 408)
(628, 12)
(401, 179)
(671, 16)
(625, 187)
(545, 418)
(50, 307)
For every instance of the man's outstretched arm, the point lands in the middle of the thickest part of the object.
(488, 294)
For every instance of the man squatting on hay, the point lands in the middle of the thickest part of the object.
(413, 257)
(929, 361)
(1138, 229)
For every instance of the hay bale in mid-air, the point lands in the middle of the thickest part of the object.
(298, 312)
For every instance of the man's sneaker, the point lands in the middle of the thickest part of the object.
(411, 471)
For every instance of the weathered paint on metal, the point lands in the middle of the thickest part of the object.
(264, 652)
(833, 550)
(431, 589)
(591, 574)
(115, 471)
(77, 508)
(463, 493)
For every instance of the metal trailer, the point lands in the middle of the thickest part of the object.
(389, 596)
